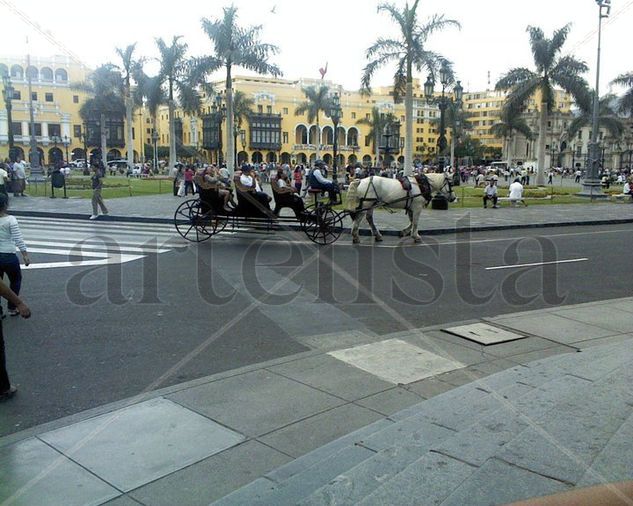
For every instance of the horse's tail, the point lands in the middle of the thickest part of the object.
(352, 195)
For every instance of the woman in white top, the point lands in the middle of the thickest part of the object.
(516, 192)
(10, 238)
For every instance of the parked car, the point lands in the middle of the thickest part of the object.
(79, 163)
(119, 165)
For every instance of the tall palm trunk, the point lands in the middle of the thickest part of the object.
(130, 141)
(408, 119)
(104, 139)
(172, 128)
(377, 147)
(230, 139)
(453, 151)
(542, 138)
(318, 139)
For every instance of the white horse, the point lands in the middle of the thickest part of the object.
(364, 195)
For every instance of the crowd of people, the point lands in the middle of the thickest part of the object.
(13, 177)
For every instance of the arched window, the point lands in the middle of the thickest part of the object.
(47, 74)
(17, 72)
(4, 70)
(32, 73)
(352, 137)
(61, 75)
(301, 135)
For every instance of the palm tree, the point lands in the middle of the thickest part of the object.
(377, 123)
(551, 69)
(150, 90)
(234, 46)
(408, 51)
(242, 108)
(607, 117)
(625, 105)
(511, 122)
(130, 67)
(318, 100)
(107, 89)
(175, 72)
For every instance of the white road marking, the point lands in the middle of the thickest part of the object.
(534, 264)
(84, 263)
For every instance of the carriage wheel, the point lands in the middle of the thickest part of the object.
(323, 225)
(188, 222)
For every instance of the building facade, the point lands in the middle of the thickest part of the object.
(58, 128)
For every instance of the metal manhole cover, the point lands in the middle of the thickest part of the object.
(483, 333)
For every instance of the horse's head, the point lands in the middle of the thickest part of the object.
(442, 184)
(447, 189)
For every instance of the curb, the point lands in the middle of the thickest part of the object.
(364, 232)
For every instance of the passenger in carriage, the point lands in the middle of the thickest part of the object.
(250, 183)
(212, 177)
(286, 195)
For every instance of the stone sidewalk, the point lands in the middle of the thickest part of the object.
(160, 209)
(417, 417)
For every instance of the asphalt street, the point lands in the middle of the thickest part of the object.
(147, 310)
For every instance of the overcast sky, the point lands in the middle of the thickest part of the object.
(310, 33)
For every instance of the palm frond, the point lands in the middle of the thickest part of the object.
(515, 77)
(558, 41)
(625, 105)
(624, 80)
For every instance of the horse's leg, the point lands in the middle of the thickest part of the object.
(374, 230)
(355, 225)
(405, 232)
(414, 215)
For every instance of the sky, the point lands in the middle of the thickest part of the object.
(492, 38)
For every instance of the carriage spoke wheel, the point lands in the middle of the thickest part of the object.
(323, 225)
(190, 223)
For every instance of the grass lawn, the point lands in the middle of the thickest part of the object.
(113, 187)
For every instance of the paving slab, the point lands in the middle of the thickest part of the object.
(554, 327)
(615, 462)
(604, 316)
(338, 340)
(301, 437)
(444, 345)
(498, 482)
(564, 442)
(390, 401)
(429, 480)
(333, 376)
(212, 478)
(396, 361)
(31, 472)
(142, 442)
(123, 500)
(429, 387)
(256, 403)
(409, 431)
(483, 440)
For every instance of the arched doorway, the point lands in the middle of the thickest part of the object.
(285, 157)
(55, 156)
(312, 158)
(242, 157)
(114, 154)
(95, 154)
(315, 138)
(301, 134)
(77, 153)
(352, 159)
(327, 158)
(367, 161)
(257, 157)
(40, 152)
(340, 160)
(302, 158)
(327, 135)
(271, 157)
(19, 152)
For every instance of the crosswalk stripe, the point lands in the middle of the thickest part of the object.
(84, 263)
(93, 232)
(121, 224)
(79, 250)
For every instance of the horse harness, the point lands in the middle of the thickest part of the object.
(421, 180)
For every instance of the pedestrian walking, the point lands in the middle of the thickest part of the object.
(4, 177)
(97, 199)
(6, 389)
(10, 238)
(19, 178)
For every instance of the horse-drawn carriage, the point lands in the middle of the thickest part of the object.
(199, 219)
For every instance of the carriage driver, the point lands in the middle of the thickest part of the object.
(316, 179)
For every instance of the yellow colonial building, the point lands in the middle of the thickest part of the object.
(274, 133)
(58, 128)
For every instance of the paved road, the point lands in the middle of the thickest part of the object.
(160, 312)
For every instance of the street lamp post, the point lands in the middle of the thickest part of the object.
(155, 141)
(335, 116)
(443, 102)
(386, 133)
(591, 184)
(66, 142)
(243, 140)
(7, 95)
(84, 139)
